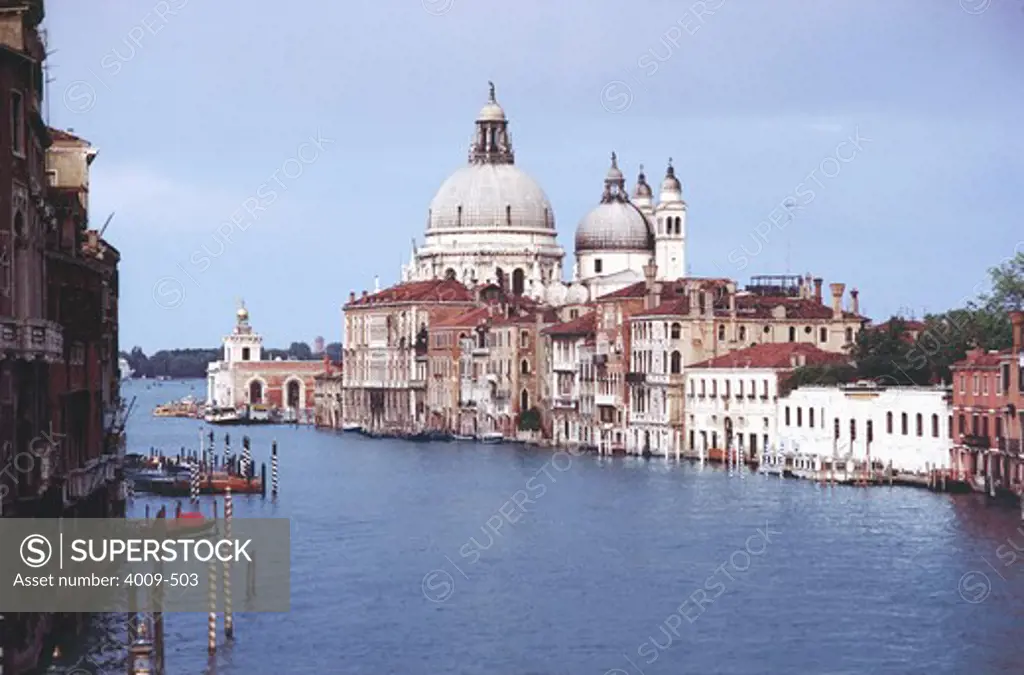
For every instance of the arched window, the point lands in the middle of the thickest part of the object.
(676, 330)
(810, 417)
(524, 401)
(518, 281)
(787, 415)
(508, 214)
(935, 426)
(963, 424)
(871, 431)
(903, 424)
(679, 225)
(792, 333)
(823, 334)
(450, 274)
(256, 392)
(524, 367)
(853, 430)
(919, 424)
(458, 217)
(888, 422)
(677, 363)
(743, 334)
(721, 332)
(835, 426)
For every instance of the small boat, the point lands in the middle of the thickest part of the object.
(492, 437)
(351, 427)
(463, 437)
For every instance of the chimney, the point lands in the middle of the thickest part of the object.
(351, 296)
(817, 288)
(837, 299)
(1017, 319)
(376, 284)
(650, 272)
(855, 301)
(792, 360)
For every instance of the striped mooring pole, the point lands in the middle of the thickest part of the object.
(229, 619)
(227, 450)
(212, 596)
(246, 457)
(273, 470)
(194, 476)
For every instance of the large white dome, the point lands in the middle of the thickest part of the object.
(491, 196)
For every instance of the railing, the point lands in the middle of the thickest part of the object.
(1009, 445)
(565, 403)
(564, 366)
(977, 441)
(606, 399)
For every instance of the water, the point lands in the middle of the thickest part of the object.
(394, 569)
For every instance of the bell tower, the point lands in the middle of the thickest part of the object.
(670, 228)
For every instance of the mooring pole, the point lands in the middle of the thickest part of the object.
(229, 620)
(273, 469)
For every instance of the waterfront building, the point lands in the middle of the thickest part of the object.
(328, 396)
(386, 347)
(243, 378)
(907, 428)
(731, 400)
(572, 381)
(987, 417)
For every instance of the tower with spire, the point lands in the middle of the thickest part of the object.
(670, 228)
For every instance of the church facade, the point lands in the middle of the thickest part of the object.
(490, 223)
(244, 378)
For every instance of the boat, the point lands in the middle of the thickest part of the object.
(492, 437)
(351, 427)
(463, 437)
(217, 415)
(186, 407)
(257, 414)
(125, 369)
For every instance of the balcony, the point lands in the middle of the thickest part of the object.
(606, 399)
(31, 339)
(636, 378)
(481, 351)
(657, 378)
(1010, 446)
(564, 366)
(976, 441)
(564, 403)
(600, 359)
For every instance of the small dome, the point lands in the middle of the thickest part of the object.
(491, 112)
(671, 183)
(491, 196)
(242, 313)
(614, 226)
(577, 295)
(643, 190)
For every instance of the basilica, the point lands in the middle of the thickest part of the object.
(490, 223)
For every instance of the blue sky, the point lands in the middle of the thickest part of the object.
(341, 120)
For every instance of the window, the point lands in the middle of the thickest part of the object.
(524, 367)
(524, 339)
(508, 214)
(597, 266)
(984, 384)
(849, 336)
(787, 415)
(676, 331)
(975, 382)
(984, 426)
(17, 123)
(835, 427)
(823, 334)
(799, 417)
(714, 388)
(903, 424)
(888, 422)
(963, 383)
(962, 424)
(810, 417)
(853, 430)
(999, 427)
(728, 387)
(1004, 379)
(677, 363)
(51, 177)
(703, 388)
(950, 421)
(871, 431)
(245, 353)
(792, 333)
(935, 426)
(721, 333)
(919, 424)
(743, 333)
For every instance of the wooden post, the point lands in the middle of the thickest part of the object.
(229, 620)
(263, 479)
(227, 450)
(273, 468)
(211, 628)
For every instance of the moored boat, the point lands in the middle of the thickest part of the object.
(491, 437)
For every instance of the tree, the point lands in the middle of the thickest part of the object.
(529, 420)
(1007, 286)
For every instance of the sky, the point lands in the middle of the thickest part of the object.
(286, 153)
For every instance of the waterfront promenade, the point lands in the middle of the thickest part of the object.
(462, 558)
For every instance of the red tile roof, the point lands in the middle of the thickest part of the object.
(435, 291)
(773, 355)
(978, 358)
(61, 135)
(584, 325)
(468, 319)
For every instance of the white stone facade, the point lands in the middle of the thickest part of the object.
(907, 426)
(731, 408)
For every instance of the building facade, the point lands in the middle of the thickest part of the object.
(328, 394)
(243, 378)
(907, 428)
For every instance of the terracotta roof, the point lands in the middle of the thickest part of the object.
(978, 358)
(773, 355)
(761, 306)
(435, 290)
(584, 325)
(61, 135)
(468, 319)
(526, 316)
(674, 307)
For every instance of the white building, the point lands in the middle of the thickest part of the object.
(731, 400)
(491, 223)
(573, 382)
(907, 426)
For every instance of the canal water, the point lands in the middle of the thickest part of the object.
(503, 560)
